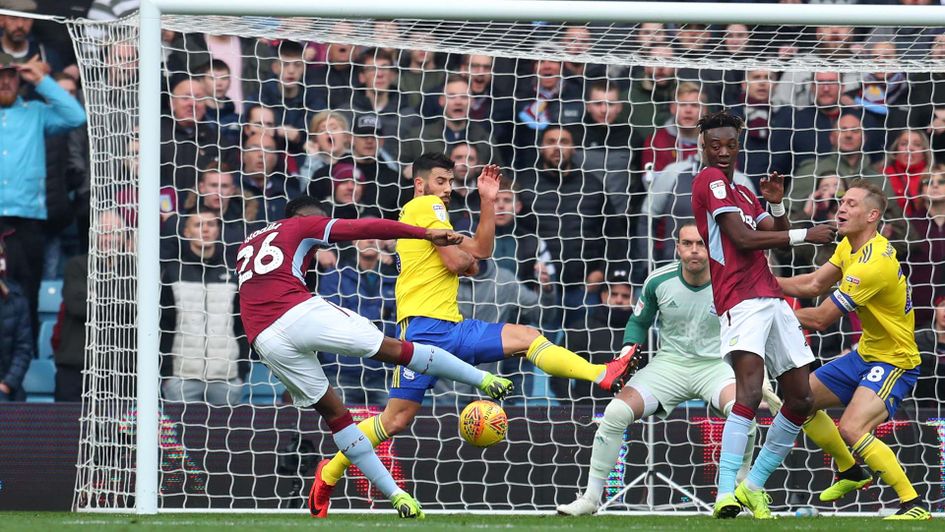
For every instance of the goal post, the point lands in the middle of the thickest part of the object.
(490, 27)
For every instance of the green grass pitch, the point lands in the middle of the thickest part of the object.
(62, 521)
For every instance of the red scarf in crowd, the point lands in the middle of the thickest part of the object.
(906, 182)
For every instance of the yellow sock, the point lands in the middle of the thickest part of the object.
(372, 428)
(822, 431)
(881, 460)
(559, 362)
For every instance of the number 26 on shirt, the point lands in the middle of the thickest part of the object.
(269, 258)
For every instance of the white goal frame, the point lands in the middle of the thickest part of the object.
(147, 442)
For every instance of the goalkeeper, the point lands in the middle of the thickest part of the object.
(688, 364)
(427, 309)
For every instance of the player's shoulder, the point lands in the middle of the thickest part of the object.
(422, 202)
(878, 252)
(660, 276)
(709, 174)
(424, 208)
(280, 224)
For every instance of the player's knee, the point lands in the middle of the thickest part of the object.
(802, 406)
(617, 416)
(749, 398)
(397, 422)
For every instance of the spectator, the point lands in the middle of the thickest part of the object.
(833, 44)
(495, 295)
(23, 166)
(544, 100)
(464, 198)
(453, 127)
(288, 92)
(16, 335)
(678, 138)
(926, 265)
(602, 338)
(517, 248)
(215, 76)
(378, 96)
(335, 78)
(737, 41)
(349, 190)
(264, 180)
(927, 89)
(330, 144)
(364, 285)
(755, 109)
(202, 360)
(114, 262)
(802, 134)
(692, 42)
(652, 91)
(490, 101)
(19, 42)
(570, 207)
(217, 194)
(909, 160)
(188, 141)
(931, 343)
(421, 76)
(379, 168)
(880, 94)
(576, 41)
(936, 133)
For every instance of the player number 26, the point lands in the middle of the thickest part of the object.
(269, 258)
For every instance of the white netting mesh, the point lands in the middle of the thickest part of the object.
(622, 95)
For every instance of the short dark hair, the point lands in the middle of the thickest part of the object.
(874, 193)
(682, 224)
(292, 49)
(303, 202)
(424, 164)
(212, 64)
(214, 167)
(719, 120)
(377, 53)
(603, 85)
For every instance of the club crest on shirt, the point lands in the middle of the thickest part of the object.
(851, 279)
(409, 374)
(440, 211)
(718, 189)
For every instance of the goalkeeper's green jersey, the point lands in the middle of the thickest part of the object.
(687, 325)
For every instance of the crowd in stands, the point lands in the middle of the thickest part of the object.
(597, 160)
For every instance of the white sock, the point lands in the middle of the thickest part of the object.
(607, 443)
(352, 442)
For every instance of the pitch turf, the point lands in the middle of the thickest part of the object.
(58, 521)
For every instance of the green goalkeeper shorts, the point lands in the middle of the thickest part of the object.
(672, 379)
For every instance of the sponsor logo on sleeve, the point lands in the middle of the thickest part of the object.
(440, 211)
(718, 189)
(852, 280)
(637, 310)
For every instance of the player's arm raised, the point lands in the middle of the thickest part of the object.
(772, 190)
(460, 259)
(811, 284)
(343, 230)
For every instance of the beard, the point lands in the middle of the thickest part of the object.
(7, 98)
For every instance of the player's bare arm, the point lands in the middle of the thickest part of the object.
(444, 237)
(461, 259)
(820, 317)
(745, 238)
(811, 284)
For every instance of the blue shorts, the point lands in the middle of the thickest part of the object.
(844, 375)
(472, 341)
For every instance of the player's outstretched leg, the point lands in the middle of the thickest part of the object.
(354, 444)
(560, 362)
(608, 440)
(431, 360)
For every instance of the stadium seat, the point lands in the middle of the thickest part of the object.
(44, 350)
(50, 297)
(261, 387)
(40, 381)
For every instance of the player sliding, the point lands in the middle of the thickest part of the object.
(758, 328)
(872, 380)
(286, 325)
(688, 364)
(427, 310)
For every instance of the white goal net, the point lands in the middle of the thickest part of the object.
(594, 127)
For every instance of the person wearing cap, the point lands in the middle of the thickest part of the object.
(24, 125)
(16, 335)
(350, 188)
(390, 191)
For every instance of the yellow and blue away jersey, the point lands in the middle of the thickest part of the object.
(425, 286)
(874, 286)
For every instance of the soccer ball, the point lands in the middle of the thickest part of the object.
(483, 423)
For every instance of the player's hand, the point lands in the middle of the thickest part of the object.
(444, 237)
(33, 70)
(488, 183)
(326, 258)
(772, 188)
(821, 234)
